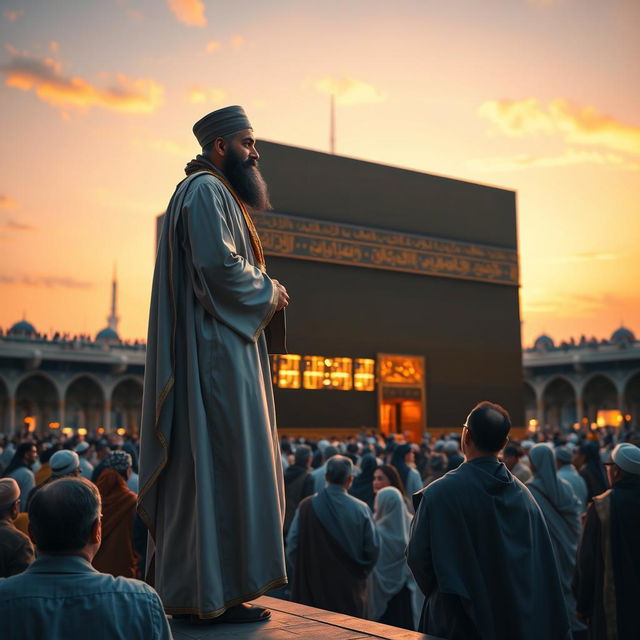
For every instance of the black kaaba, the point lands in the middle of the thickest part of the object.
(404, 294)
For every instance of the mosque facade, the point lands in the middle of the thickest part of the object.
(92, 383)
(583, 383)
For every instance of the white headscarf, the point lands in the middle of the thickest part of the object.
(391, 572)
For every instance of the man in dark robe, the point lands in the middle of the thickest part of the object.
(480, 549)
(211, 488)
(298, 483)
(333, 546)
(607, 578)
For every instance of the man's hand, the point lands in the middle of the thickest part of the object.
(283, 296)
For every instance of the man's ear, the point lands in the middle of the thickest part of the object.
(220, 147)
(96, 532)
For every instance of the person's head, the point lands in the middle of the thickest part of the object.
(542, 459)
(64, 463)
(119, 461)
(389, 504)
(564, 456)
(227, 141)
(511, 454)
(25, 455)
(387, 476)
(28, 453)
(64, 518)
(329, 452)
(302, 456)
(450, 447)
(102, 450)
(82, 449)
(437, 462)
(339, 471)
(486, 430)
(624, 463)
(9, 499)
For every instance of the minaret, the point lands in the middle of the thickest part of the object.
(112, 320)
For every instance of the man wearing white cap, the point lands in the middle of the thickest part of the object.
(607, 580)
(16, 550)
(211, 482)
(86, 468)
(64, 463)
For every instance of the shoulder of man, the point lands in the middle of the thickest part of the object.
(359, 505)
(203, 181)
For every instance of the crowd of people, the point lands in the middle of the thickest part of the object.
(471, 535)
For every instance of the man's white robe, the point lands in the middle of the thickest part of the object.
(211, 483)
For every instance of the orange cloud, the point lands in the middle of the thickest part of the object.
(237, 42)
(212, 45)
(44, 76)
(189, 12)
(200, 95)
(6, 202)
(349, 91)
(13, 15)
(577, 125)
(13, 225)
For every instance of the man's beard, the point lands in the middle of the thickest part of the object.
(247, 181)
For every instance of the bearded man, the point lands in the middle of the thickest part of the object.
(211, 482)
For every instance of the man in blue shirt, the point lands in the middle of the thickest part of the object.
(61, 595)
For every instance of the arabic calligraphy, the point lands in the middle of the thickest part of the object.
(305, 239)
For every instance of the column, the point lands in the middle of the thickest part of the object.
(12, 414)
(61, 412)
(107, 415)
(579, 407)
(621, 402)
(540, 411)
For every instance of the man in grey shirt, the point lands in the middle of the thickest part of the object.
(568, 472)
(61, 595)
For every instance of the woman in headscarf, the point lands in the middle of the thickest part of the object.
(362, 486)
(588, 463)
(393, 593)
(387, 476)
(116, 554)
(561, 510)
(403, 456)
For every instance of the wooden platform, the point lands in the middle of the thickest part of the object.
(291, 621)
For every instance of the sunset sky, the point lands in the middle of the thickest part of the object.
(98, 98)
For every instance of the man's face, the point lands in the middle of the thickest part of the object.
(240, 166)
(31, 455)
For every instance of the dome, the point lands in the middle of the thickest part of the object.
(23, 328)
(108, 335)
(622, 336)
(544, 343)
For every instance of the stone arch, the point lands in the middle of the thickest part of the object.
(559, 403)
(5, 419)
(632, 400)
(599, 392)
(126, 404)
(84, 400)
(37, 397)
(530, 402)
